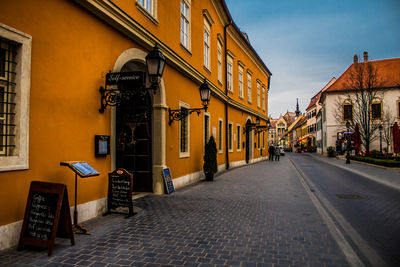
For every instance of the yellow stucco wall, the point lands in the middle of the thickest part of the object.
(72, 50)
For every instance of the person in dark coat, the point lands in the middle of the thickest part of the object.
(271, 153)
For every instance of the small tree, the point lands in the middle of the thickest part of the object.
(210, 159)
(387, 123)
(363, 88)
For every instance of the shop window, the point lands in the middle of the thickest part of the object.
(238, 139)
(347, 112)
(15, 58)
(185, 24)
(220, 128)
(376, 111)
(184, 132)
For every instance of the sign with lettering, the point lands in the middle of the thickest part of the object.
(168, 181)
(47, 214)
(120, 184)
(115, 78)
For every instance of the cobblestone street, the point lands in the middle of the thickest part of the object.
(257, 215)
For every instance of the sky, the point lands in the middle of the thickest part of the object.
(306, 43)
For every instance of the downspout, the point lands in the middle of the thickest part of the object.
(226, 102)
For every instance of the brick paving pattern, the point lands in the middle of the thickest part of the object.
(257, 215)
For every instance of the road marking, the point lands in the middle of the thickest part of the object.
(324, 208)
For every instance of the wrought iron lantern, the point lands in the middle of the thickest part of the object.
(155, 63)
(179, 114)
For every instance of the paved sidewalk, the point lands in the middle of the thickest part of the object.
(383, 175)
(257, 215)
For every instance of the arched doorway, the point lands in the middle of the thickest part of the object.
(134, 131)
(137, 60)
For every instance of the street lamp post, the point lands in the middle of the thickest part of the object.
(348, 143)
(380, 137)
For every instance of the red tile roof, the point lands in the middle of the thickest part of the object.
(388, 74)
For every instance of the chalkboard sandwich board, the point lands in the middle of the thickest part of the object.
(119, 200)
(47, 215)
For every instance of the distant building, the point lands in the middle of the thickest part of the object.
(338, 102)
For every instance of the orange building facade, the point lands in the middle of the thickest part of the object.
(55, 56)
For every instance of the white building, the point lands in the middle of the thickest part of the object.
(387, 101)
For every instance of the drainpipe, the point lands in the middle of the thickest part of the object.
(226, 102)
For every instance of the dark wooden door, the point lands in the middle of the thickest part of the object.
(134, 140)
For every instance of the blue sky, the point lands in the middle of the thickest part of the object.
(306, 43)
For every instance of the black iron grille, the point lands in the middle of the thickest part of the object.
(8, 52)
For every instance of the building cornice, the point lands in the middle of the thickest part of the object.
(121, 21)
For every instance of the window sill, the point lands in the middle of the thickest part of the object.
(207, 70)
(147, 14)
(183, 155)
(220, 83)
(186, 49)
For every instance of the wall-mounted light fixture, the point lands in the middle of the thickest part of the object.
(155, 63)
(179, 114)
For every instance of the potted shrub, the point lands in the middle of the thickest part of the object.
(210, 159)
(331, 152)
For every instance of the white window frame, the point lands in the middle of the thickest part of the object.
(239, 137)
(219, 58)
(207, 45)
(149, 8)
(20, 158)
(220, 135)
(258, 94)
(229, 74)
(184, 154)
(249, 87)
(185, 25)
(263, 97)
(230, 136)
(240, 82)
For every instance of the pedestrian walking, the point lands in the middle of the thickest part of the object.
(271, 151)
(277, 153)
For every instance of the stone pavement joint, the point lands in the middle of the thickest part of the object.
(257, 215)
